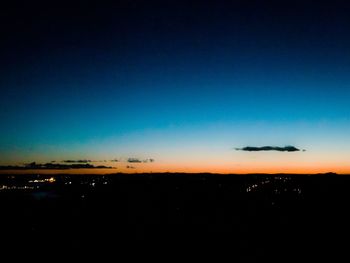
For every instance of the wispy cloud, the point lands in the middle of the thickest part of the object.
(134, 160)
(288, 148)
(76, 161)
(137, 160)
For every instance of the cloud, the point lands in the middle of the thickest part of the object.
(134, 160)
(288, 148)
(137, 160)
(76, 161)
(149, 160)
(130, 167)
(114, 160)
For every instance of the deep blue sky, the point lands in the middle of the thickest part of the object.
(82, 75)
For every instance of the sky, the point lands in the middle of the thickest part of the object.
(182, 82)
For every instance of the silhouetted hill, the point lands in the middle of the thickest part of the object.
(254, 217)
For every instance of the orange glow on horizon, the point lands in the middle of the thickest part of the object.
(175, 168)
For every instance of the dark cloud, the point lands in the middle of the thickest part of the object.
(76, 161)
(130, 167)
(134, 160)
(269, 148)
(114, 160)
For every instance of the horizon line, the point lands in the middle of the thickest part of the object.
(3, 172)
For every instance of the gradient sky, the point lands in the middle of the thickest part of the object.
(183, 82)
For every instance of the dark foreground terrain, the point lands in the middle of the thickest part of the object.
(242, 217)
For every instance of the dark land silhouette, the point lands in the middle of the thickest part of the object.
(248, 218)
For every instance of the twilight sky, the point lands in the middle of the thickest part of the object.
(182, 82)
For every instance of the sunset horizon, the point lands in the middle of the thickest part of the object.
(165, 128)
(196, 87)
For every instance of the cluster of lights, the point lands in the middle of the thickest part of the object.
(256, 186)
(46, 180)
(6, 187)
(252, 187)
